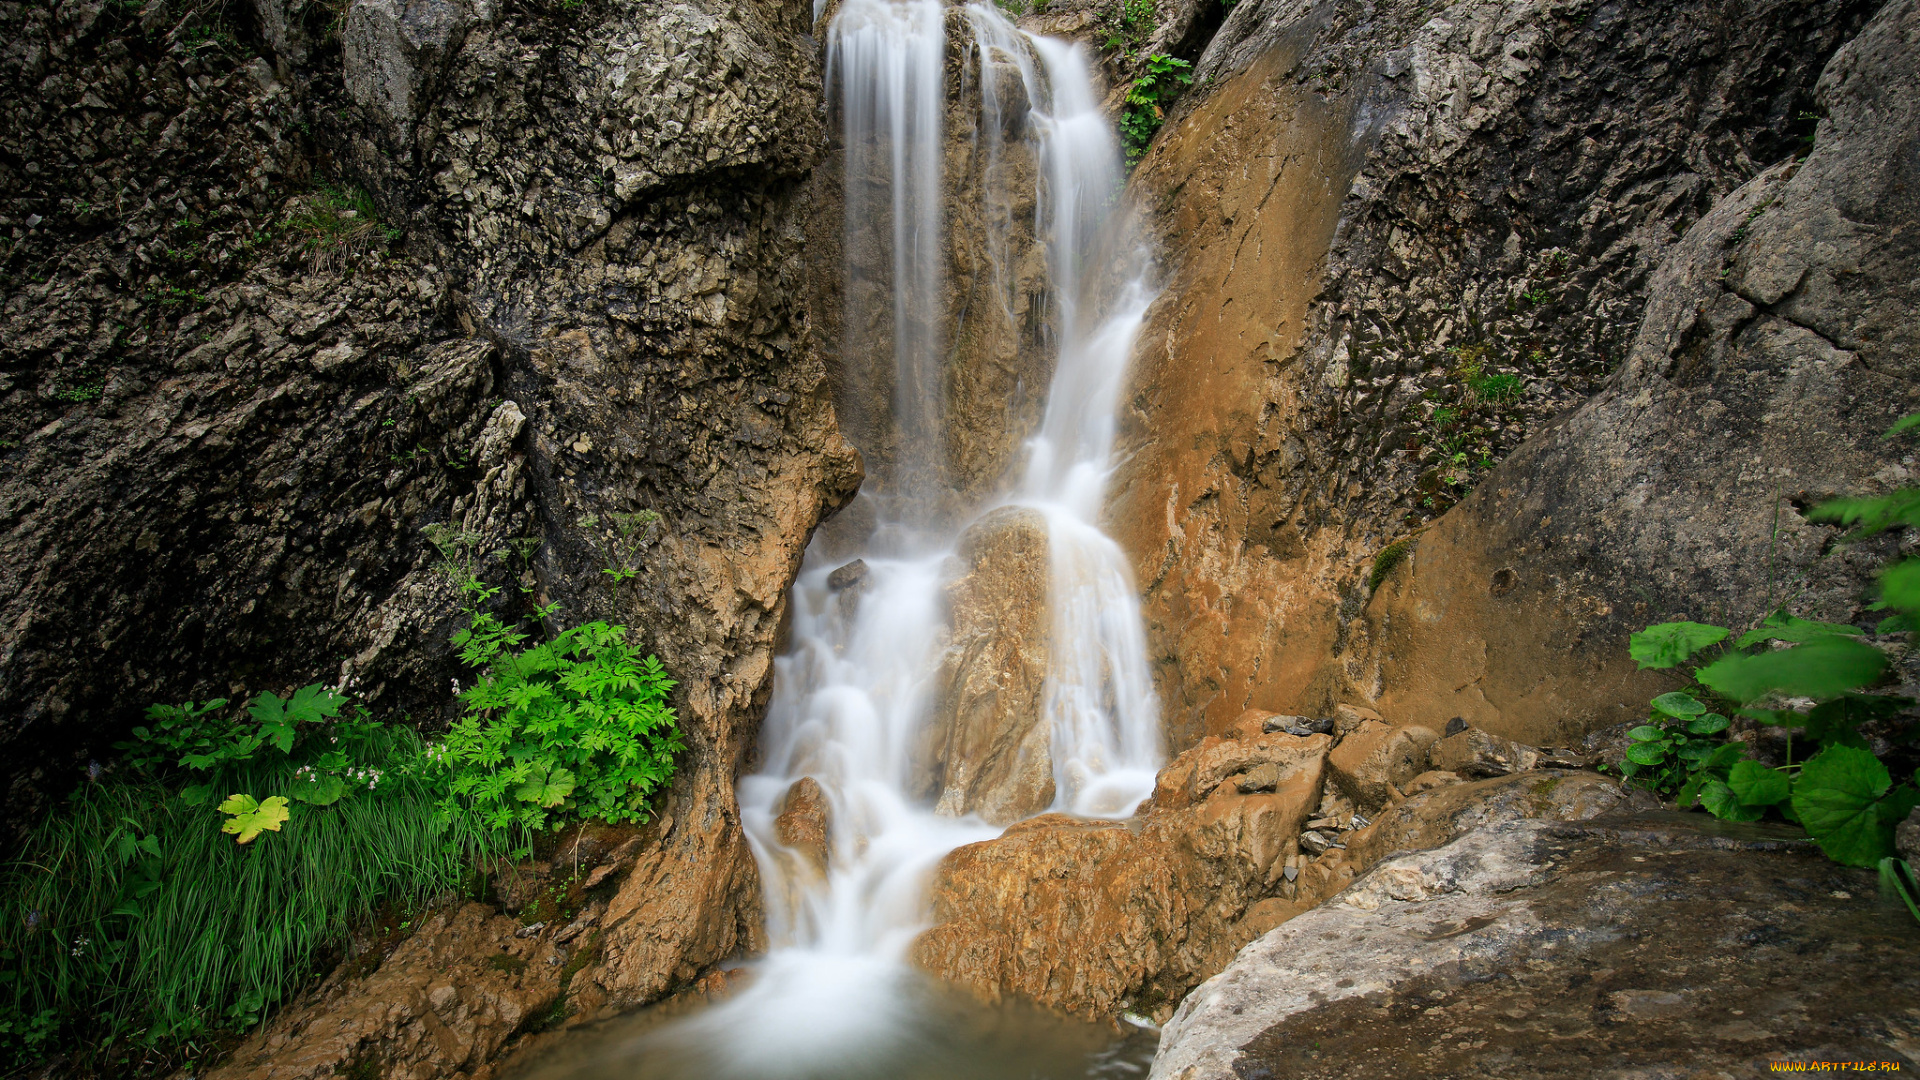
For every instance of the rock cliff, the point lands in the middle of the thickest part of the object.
(294, 319)
(1399, 241)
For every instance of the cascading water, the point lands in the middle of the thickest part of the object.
(853, 694)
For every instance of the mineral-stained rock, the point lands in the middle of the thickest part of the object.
(1089, 916)
(805, 823)
(986, 750)
(1375, 760)
(1476, 753)
(1659, 944)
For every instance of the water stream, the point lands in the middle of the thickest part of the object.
(853, 693)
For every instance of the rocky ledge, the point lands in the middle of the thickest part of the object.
(1645, 945)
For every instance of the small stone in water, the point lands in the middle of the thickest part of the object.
(851, 574)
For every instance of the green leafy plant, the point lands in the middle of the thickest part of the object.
(574, 727)
(1147, 99)
(1801, 676)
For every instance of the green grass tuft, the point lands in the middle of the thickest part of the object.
(131, 917)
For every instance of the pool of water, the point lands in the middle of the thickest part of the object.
(869, 1023)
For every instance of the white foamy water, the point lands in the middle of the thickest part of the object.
(854, 692)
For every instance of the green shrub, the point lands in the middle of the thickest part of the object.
(575, 727)
(131, 918)
(1147, 99)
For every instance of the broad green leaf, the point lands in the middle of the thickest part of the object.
(1821, 668)
(312, 704)
(1708, 724)
(1665, 645)
(1836, 797)
(1758, 785)
(1871, 515)
(1721, 802)
(196, 794)
(1646, 753)
(1787, 718)
(247, 818)
(548, 788)
(1900, 586)
(1646, 733)
(1690, 791)
(320, 789)
(1679, 705)
(1781, 626)
(1725, 756)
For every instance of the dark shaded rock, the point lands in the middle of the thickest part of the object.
(1658, 944)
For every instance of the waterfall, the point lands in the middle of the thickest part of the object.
(852, 695)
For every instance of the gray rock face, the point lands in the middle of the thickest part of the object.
(394, 53)
(1554, 949)
(576, 339)
(1769, 361)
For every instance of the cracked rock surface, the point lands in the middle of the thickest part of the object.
(1548, 949)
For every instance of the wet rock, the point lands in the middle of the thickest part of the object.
(1476, 753)
(1348, 719)
(805, 823)
(848, 576)
(1427, 781)
(1653, 942)
(1290, 418)
(1085, 915)
(1373, 762)
(986, 750)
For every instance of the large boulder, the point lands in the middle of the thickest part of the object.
(1376, 760)
(1652, 944)
(986, 750)
(1092, 917)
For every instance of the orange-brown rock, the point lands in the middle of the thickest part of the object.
(1095, 916)
(1192, 776)
(805, 823)
(987, 748)
(1373, 763)
(443, 1003)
